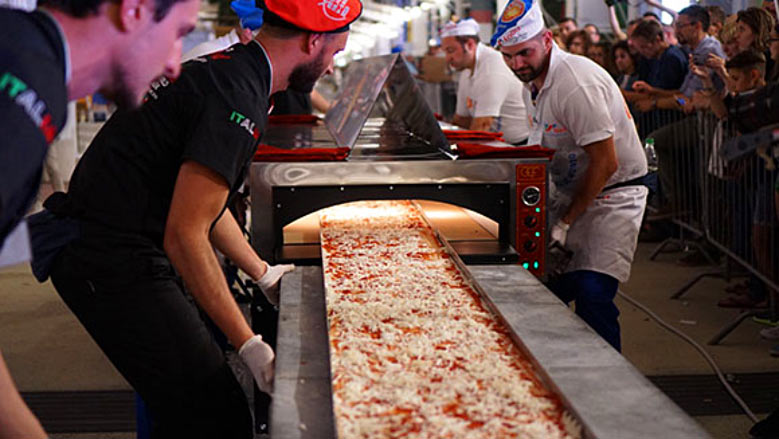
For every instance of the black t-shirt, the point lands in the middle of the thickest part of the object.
(33, 106)
(666, 72)
(291, 102)
(212, 114)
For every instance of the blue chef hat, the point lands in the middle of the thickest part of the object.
(248, 12)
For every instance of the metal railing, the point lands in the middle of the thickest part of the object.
(724, 209)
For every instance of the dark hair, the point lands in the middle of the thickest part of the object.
(462, 39)
(651, 14)
(564, 19)
(608, 57)
(587, 42)
(761, 22)
(749, 59)
(623, 45)
(593, 25)
(697, 14)
(716, 14)
(83, 8)
(650, 30)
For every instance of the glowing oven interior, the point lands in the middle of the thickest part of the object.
(473, 235)
(453, 222)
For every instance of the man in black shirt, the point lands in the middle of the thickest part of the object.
(64, 51)
(148, 204)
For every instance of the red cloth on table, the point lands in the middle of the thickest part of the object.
(267, 153)
(292, 118)
(477, 150)
(454, 135)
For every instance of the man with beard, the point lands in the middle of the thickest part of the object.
(597, 198)
(147, 206)
(489, 97)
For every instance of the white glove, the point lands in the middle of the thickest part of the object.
(559, 233)
(259, 356)
(269, 282)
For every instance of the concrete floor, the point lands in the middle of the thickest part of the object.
(47, 350)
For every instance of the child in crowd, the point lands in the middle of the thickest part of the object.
(746, 73)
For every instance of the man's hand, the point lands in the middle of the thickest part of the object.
(643, 87)
(715, 62)
(259, 357)
(269, 282)
(559, 233)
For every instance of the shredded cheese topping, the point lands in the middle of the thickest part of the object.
(414, 352)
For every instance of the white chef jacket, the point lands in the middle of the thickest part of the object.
(492, 90)
(580, 104)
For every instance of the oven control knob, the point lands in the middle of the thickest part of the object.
(531, 221)
(531, 195)
(530, 246)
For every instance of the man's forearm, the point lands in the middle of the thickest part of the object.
(461, 121)
(228, 238)
(482, 123)
(16, 419)
(603, 163)
(191, 253)
(618, 34)
(661, 93)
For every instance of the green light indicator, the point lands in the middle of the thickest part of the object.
(535, 265)
(538, 234)
(525, 265)
(538, 210)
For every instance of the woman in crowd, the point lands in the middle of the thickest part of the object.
(578, 42)
(601, 54)
(626, 63)
(753, 30)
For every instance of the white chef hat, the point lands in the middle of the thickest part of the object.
(465, 27)
(520, 21)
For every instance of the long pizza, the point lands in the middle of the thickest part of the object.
(414, 352)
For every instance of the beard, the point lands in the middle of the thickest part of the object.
(529, 73)
(304, 76)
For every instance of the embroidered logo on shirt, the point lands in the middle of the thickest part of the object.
(554, 129)
(156, 85)
(335, 9)
(245, 123)
(27, 98)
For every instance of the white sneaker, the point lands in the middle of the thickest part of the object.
(770, 333)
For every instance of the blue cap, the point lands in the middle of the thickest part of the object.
(248, 12)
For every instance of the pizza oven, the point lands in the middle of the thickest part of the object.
(396, 149)
(506, 198)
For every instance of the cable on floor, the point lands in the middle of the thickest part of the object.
(697, 347)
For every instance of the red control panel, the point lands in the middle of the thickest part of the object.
(531, 217)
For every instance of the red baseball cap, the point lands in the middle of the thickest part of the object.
(323, 16)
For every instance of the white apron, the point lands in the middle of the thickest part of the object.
(580, 104)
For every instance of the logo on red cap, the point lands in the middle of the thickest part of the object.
(335, 9)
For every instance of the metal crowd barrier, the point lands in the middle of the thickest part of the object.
(724, 209)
